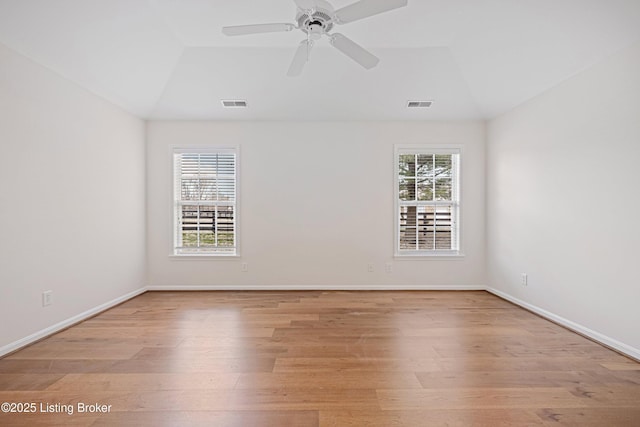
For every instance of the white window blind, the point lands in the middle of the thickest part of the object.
(427, 201)
(205, 202)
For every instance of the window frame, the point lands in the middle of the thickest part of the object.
(209, 149)
(429, 149)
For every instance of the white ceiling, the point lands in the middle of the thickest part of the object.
(167, 59)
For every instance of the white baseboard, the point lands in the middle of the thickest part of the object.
(315, 288)
(576, 327)
(11, 347)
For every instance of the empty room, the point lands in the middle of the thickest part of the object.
(319, 213)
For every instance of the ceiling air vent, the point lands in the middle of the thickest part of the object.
(234, 103)
(419, 104)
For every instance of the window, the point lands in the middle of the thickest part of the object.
(427, 201)
(205, 210)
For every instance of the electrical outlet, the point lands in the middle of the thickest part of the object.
(524, 280)
(47, 298)
(388, 267)
(370, 268)
(244, 267)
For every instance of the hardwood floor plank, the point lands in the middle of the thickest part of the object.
(197, 354)
(64, 366)
(145, 382)
(431, 418)
(48, 420)
(622, 366)
(530, 397)
(618, 395)
(75, 351)
(590, 417)
(302, 399)
(487, 331)
(339, 380)
(361, 348)
(90, 339)
(329, 333)
(631, 375)
(211, 418)
(328, 364)
(515, 363)
(9, 382)
(514, 379)
(198, 330)
(175, 365)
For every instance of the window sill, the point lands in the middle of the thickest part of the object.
(429, 257)
(203, 257)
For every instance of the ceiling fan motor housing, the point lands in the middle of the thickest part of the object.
(319, 21)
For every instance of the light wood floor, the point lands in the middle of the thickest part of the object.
(322, 359)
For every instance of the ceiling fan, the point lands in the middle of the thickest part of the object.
(316, 18)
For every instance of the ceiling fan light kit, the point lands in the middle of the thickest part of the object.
(317, 18)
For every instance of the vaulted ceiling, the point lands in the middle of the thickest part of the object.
(168, 59)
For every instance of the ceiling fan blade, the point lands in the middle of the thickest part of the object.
(241, 30)
(300, 58)
(354, 51)
(366, 8)
(305, 4)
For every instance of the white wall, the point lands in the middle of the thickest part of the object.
(71, 199)
(563, 180)
(316, 205)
